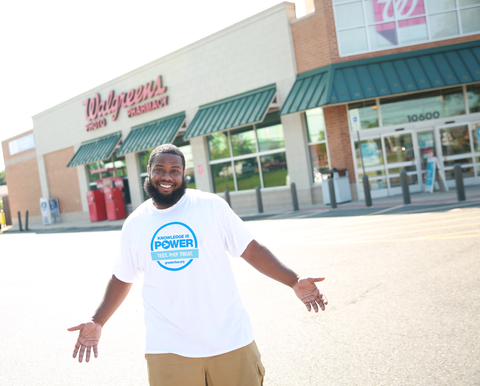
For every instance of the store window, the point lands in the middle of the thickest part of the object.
(185, 148)
(243, 141)
(244, 158)
(423, 106)
(317, 142)
(222, 174)
(412, 108)
(116, 166)
(363, 115)
(372, 25)
(473, 95)
(455, 140)
(219, 146)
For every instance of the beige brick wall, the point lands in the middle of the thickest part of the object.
(24, 190)
(63, 181)
(315, 40)
(23, 181)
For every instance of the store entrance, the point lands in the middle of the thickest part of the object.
(383, 156)
(458, 143)
(399, 153)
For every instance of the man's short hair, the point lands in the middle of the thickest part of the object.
(166, 148)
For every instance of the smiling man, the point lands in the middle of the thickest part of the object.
(198, 331)
(165, 191)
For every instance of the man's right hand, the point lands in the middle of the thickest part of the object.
(88, 337)
(90, 332)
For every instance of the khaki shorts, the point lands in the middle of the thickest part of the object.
(240, 367)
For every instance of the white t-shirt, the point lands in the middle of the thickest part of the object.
(192, 305)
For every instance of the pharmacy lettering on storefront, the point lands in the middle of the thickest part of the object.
(96, 109)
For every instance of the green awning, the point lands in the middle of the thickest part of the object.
(385, 75)
(152, 134)
(95, 150)
(243, 109)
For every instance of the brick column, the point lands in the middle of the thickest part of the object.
(338, 137)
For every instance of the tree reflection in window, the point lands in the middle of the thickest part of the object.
(243, 141)
(218, 145)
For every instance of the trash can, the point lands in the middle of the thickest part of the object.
(341, 183)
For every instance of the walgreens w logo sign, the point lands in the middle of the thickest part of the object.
(386, 11)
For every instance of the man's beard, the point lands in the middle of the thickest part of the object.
(166, 200)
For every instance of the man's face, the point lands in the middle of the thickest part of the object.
(166, 183)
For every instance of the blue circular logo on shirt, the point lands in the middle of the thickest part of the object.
(174, 246)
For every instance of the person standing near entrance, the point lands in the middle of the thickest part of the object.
(198, 331)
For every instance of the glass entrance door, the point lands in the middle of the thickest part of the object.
(427, 149)
(455, 145)
(370, 159)
(383, 156)
(400, 153)
(475, 130)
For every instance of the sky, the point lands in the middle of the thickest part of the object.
(55, 50)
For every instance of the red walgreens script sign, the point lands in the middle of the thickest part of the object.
(385, 11)
(96, 108)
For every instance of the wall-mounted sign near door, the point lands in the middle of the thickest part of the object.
(95, 108)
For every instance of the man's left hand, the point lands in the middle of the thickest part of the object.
(307, 291)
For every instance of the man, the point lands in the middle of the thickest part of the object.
(198, 331)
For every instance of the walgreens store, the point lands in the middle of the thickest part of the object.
(401, 110)
(399, 84)
(371, 87)
(217, 99)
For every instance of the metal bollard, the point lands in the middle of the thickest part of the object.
(331, 190)
(19, 222)
(293, 189)
(259, 199)
(459, 182)
(26, 220)
(405, 189)
(227, 198)
(366, 191)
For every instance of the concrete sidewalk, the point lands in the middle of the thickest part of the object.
(386, 204)
(419, 202)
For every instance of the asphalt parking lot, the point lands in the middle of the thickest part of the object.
(403, 288)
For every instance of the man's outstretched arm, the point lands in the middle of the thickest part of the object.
(263, 260)
(90, 332)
